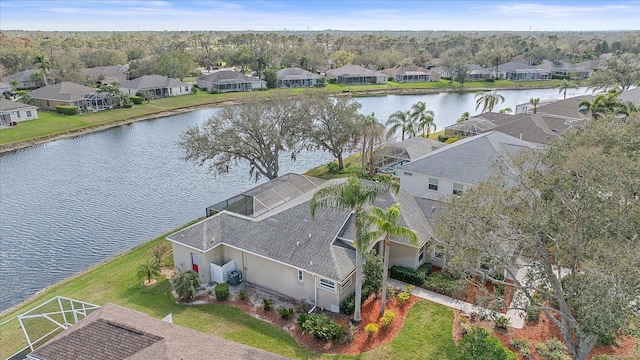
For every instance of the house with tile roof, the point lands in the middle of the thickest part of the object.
(12, 112)
(222, 81)
(116, 332)
(268, 234)
(297, 77)
(157, 85)
(24, 79)
(355, 75)
(68, 93)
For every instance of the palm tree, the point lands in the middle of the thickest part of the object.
(564, 85)
(605, 104)
(464, 117)
(386, 223)
(43, 63)
(488, 100)
(148, 270)
(506, 110)
(353, 194)
(401, 120)
(423, 117)
(534, 102)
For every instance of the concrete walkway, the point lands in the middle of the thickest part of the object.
(516, 320)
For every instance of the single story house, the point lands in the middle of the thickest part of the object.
(515, 70)
(222, 81)
(24, 79)
(411, 73)
(269, 236)
(13, 112)
(564, 69)
(159, 86)
(68, 93)
(297, 77)
(354, 75)
(390, 157)
(107, 74)
(478, 73)
(5, 87)
(116, 332)
(452, 169)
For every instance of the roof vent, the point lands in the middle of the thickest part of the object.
(309, 235)
(310, 263)
(297, 243)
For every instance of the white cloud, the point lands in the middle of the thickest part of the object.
(554, 11)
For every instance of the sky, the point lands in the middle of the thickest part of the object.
(258, 15)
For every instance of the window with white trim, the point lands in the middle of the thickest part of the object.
(438, 254)
(328, 284)
(421, 254)
(457, 189)
(300, 276)
(345, 284)
(28, 113)
(433, 184)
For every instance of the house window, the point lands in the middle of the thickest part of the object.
(345, 284)
(328, 284)
(421, 254)
(18, 114)
(407, 173)
(457, 189)
(300, 276)
(438, 254)
(433, 184)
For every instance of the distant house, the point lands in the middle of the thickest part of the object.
(390, 157)
(297, 77)
(116, 332)
(355, 75)
(222, 81)
(159, 86)
(515, 70)
(68, 93)
(411, 73)
(564, 69)
(478, 73)
(24, 79)
(13, 112)
(107, 74)
(5, 87)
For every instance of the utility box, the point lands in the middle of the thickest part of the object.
(235, 277)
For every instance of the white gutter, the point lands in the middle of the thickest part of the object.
(315, 290)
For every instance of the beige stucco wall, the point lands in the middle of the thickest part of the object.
(403, 255)
(18, 115)
(42, 104)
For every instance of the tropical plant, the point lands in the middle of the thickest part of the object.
(423, 117)
(534, 102)
(148, 270)
(386, 223)
(506, 110)
(387, 318)
(285, 312)
(488, 100)
(44, 64)
(565, 85)
(464, 117)
(353, 194)
(401, 120)
(607, 104)
(371, 329)
(186, 284)
(267, 304)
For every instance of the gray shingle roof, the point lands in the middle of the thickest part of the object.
(469, 160)
(152, 82)
(115, 332)
(21, 76)
(227, 75)
(6, 105)
(107, 71)
(64, 91)
(412, 148)
(352, 70)
(281, 236)
(296, 74)
(632, 95)
(514, 65)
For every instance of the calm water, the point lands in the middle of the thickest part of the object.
(70, 204)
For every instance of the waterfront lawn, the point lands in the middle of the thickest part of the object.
(427, 328)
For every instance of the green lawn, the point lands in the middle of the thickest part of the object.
(427, 329)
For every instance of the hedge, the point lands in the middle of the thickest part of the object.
(137, 100)
(67, 109)
(410, 276)
(443, 283)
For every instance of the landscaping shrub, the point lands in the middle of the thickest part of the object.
(443, 283)
(323, 328)
(301, 319)
(410, 276)
(387, 318)
(522, 346)
(392, 291)
(267, 304)
(242, 295)
(403, 298)
(67, 109)
(186, 284)
(479, 344)
(533, 314)
(348, 305)
(127, 106)
(222, 291)
(285, 313)
(553, 349)
(371, 329)
(502, 323)
(333, 167)
(607, 339)
(137, 100)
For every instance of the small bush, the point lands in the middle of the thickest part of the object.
(127, 106)
(403, 298)
(553, 349)
(67, 109)
(348, 305)
(601, 357)
(333, 167)
(443, 283)
(323, 328)
(607, 339)
(371, 329)
(137, 100)
(186, 284)
(242, 295)
(387, 318)
(478, 343)
(522, 346)
(267, 304)
(410, 276)
(194, 90)
(285, 313)
(533, 314)
(222, 291)
(392, 291)
(502, 323)
(301, 319)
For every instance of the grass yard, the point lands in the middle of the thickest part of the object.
(427, 330)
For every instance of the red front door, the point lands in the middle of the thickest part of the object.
(194, 262)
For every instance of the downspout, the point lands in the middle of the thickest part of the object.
(315, 295)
